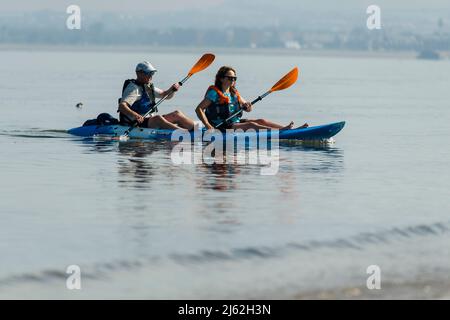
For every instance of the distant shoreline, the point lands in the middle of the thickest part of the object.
(246, 51)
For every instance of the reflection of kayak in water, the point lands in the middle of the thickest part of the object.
(321, 132)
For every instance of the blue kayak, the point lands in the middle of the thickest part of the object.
(314, 133)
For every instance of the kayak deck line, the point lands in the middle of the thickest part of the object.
(320, 132)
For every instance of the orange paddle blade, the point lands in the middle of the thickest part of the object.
(287, 81)
(202, 63)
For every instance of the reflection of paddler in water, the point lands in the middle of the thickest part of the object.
(135, 165)
(214, 178)
(221, 176)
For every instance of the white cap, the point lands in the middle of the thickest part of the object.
(145, 67)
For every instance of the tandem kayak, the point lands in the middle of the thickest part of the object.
(321, 132)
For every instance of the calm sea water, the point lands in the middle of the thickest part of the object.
(141, 227)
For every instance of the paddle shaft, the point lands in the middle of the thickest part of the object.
(165, 97)
(240, 110)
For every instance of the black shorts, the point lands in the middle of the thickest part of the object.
(229, 125)
(125, 121)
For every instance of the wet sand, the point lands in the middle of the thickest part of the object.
(422, 290)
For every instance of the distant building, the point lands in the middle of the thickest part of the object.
(429, 55)
(292, 45)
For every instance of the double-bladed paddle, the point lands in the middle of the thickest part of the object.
(288, 80)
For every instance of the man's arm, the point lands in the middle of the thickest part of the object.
(129, 96)
(125, 109)
(169, 92)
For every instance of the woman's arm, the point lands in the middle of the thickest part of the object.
(247, 106)
(200, 111)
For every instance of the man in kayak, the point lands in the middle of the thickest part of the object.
(138, 97)
(222, 100)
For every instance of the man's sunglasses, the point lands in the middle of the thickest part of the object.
(231, 78)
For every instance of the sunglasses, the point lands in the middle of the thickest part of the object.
(231, 78)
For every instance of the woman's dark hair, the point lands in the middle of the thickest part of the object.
(219, 76)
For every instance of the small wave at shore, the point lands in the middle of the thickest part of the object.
(158, 266)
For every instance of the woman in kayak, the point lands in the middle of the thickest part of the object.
(222, 100)
(138, 97)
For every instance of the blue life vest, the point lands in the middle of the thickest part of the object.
(141, 106)
(219, 110)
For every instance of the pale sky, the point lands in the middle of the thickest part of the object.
(118, 6)
(136, 6)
